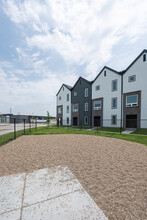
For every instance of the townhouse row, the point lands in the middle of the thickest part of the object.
(112, 99)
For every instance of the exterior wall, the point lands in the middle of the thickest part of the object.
(97, 112)
(107, 94)
(75, 114)
(60, 120)
(64, 103)
(80, 87)
(139, 68)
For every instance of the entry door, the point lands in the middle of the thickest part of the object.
(131, 121)
(97, 121)
(75, 121)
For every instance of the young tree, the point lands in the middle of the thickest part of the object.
(48, 118)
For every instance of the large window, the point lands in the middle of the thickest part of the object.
(86, 92)
(75, 108)
(97, 105)
(114, 103)
(59, 110)
(67, 97)
(114, 119)
(86, 106)
(114, 85)
(97, 88)
(132, 78)
(131, 100)
(86, 120)
(67, 109)
(75, 93)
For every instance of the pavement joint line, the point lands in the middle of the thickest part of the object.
(9, 211)
(78, 190)
(23, 196)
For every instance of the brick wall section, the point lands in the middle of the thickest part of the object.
(132, 110)
(97, 112)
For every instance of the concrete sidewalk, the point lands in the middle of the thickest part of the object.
(47, 194)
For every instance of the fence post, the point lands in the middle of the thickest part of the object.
(24, 127)
(36, 124)
(14, 128)
(30, 125)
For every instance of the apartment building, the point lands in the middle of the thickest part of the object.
(112, 99)
(81, 95)
(63, 103)
(106, 98)
(135, 93)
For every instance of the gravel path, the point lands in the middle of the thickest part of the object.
(113, 172)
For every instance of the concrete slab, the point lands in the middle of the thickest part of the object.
(53, 194)
(14, 215)
(46, 184)
(128, 131)
(11, 190)
(74, 206)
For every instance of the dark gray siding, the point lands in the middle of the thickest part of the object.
(80, 87)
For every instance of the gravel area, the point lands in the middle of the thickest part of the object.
(113, 171)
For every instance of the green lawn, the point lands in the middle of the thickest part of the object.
(134, 138)
(111, 129)
(140, 131)
(62, 130)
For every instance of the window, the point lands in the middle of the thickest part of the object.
(114, 85)
(86, 106)
(75, 93)
(144, 57)
(105, 73)
(131, 100)
(132, 78)
(67, 97)
(97, 88)
(67, 110)
(97, 105)
(86, 120)
(59, 97)
(59, 110)
(67, 121)
(114, 119)
(63, 88)
(86, 92)
(75, 108)
(114, 103)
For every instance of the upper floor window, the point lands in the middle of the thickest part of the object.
(114, 103)
(59, 110)
(114, 119)
(114, 85)
(131, 100)
(67, 97)
(75, 108)
(63, 88)
(86, 120)
(144, 57)
(97, 88)
(97, 105)
(86, 106)
(105, 73)
(67, 109)
(75, 93)
(86, 92)
(59, 97)
(132, 78)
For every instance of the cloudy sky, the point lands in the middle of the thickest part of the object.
(44, 43)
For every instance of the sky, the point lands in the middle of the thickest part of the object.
(45, 43)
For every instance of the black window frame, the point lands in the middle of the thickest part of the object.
(112, 103)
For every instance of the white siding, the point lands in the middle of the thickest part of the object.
(105, 91)
(64, 103)
(139, 68)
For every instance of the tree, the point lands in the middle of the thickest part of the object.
(48, 118)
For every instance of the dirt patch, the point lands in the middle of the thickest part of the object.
(113, 172)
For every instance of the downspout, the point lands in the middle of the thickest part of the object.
(121, 102)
